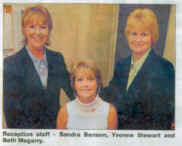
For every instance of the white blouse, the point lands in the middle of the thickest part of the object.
(88, 116)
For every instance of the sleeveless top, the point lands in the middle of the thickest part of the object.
(88, 116)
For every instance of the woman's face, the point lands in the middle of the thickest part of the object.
(85, 85)
(139, 40)
(36, 31)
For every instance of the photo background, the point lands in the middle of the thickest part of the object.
(92, 31)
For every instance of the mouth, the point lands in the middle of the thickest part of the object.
(85, 90)
(139, 44)
(37, 38)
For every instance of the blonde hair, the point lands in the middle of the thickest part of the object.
(145, 17)
(87, 64)
(37, 10)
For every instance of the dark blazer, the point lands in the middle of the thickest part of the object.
(149, 101)
(27, 104)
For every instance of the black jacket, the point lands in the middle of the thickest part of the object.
(149, 101)
(27, 104)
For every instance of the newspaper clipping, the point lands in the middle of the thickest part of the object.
(90, 73)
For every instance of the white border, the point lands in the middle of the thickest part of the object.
(94, 1)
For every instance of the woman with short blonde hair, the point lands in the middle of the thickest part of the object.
(145, 17)
(88, 110)
(143, 83)
(87, 63)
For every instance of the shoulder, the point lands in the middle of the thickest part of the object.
(70, 106)
(54, 54)
(63, 109)
(112, 109)
(55, 58)
(17, 56)
(122, 63)
(161, 64)
(70, 103)
(16, 60)
(108, 106)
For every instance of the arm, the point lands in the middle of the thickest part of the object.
(111, 92)
(112, 118)
(13, 94)
(160, 98)
(66, 84)
(172, 95)
(62, 118)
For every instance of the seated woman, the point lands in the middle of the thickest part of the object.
(88, 110)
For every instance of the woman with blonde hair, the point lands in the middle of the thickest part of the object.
(143, 83)
(88, 110)
(34, 76)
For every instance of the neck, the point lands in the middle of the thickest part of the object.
(138, 56)
(88, 107)
(38, 53)
(87, 100)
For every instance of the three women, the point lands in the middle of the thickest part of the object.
(143, 84)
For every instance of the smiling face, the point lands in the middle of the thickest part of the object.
(36, 31)
(139, 40)
(85, 85)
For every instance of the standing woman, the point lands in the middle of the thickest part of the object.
(88, 110)
(143, 83)
(34, 76)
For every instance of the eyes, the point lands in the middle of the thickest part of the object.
(33, 26)
(80, 79)
(43, 26)
(142, 34)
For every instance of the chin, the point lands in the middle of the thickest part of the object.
(38, 47)
(88, 96)
(140, 51)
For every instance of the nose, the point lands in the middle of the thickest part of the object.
(138, 38)
(85, 83)
(37, 30)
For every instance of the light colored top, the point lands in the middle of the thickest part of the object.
(41, 67)
(135, 67)
(88, 116)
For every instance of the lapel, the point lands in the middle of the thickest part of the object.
(50, 67)
(125, 73)
(142, 74)
(30, 71)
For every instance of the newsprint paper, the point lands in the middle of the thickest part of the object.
(130, 94)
